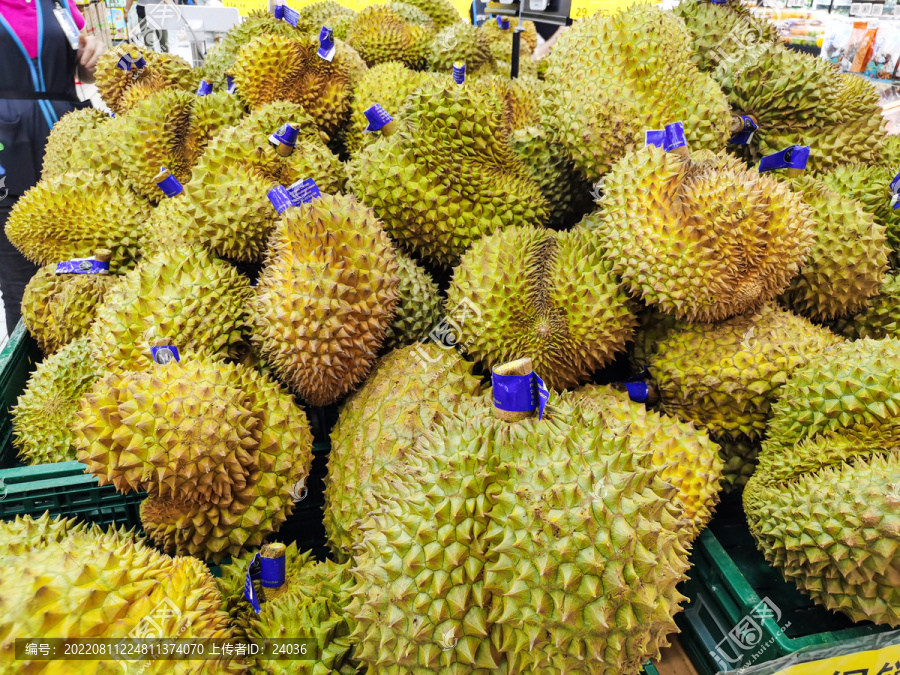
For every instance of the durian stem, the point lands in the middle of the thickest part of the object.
(518, 367)
(682, 152)
(793, 173)
(738, 125)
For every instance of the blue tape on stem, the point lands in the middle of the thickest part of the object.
(125, 63)
(280, 199)
(895, 189)
(503, 22)
(674, 136)
(327, 48)
(543, 395)
(514, 393)
(170, 186)
(377, 117)
(459, 72)
(249, 591)
(286, 134)
(165, 355)
(140, 62)
(205, 88)
(638, 392)
(655, 137)
(292, 16)
(232, 87)
(304, 191)
(82, 266)
(273, 571)
(278, 11)
(745, 135)
(794, 157)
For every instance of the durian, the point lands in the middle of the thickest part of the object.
(724, 377)
(45, 414)
(325, 297)
(122, 89)
(879, 319)
(379, 35)
(531, 292)
(218, 448)
(702, 237)
(79, 142)
(418, 309)
(442, 12)
(459, 42)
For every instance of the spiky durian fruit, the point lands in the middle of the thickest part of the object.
(459, 42)
(388, 84)
(419, 306)
(799, 99)
(58, 308)
(848, 258)
(703, 238)
(724, 31)
(107, 584)
(68, 148)
(379, 426)
(879, 319)
(122, 89)
(221, 56)
(171, 129)
(379, 35)
(219, 449)
(275, 68)
(500, 42)
(45, 412)
(227, 204)
(442, 12)
(725, 376)
(739, 456)
(312, 603)
(340, 25)
(688, 459)
(316, 14)
(870, 186)
(447, 176)
(614, 76)
(185, 294)
(518, 513)
(823, 502)
(525, 291)
(890, 150)
(412, 14)
(74, 215)
(325, 297)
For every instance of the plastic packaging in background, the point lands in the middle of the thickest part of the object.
(864, 655)
(834, 44)
(885, 53)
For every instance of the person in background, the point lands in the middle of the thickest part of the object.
(42, 48)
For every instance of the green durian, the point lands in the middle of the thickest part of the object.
(879, 319)
(442, 12)
(274, 68)
(198, 302)
(73, 144)
(312, 603)
(379, 36)
(459, 43)
(531, 292)
(412, 14)
(614, 76)
(45, 413)
(219, 448)
(725, 376)
(823, 501)
(316, 14)
(74, 215)
(418, 309)
(59, 308)
(379, 426)
(122, 89)
(104, 584)
(703, 238)
(739, 457)
(325, 297)
(447, 176)
(848, 258)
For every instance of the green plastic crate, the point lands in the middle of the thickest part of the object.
(18, 359)
(741, 611)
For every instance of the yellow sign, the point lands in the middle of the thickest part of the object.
(875, 662)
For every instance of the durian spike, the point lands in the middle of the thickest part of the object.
(518, 367)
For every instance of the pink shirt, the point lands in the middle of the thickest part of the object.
(22, 16)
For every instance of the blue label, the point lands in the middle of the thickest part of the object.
(286, 135)
(292, 16)
(280, 199)
(205, 88)
(543, 395)
(165, 355)
(273, 571)
(303, 191)
(125, 63)
(794, 157)
(378, 118)
(327, 48)
(82, 266)
(459, 72)
(140, 62)
(232, 87)
(278, 11)
(670, 138)
(719, 2)
(895, 184)
(638, 392)
(520, 393)
(249, 591)
(170, 186)
(503, 22)
(745, 135)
